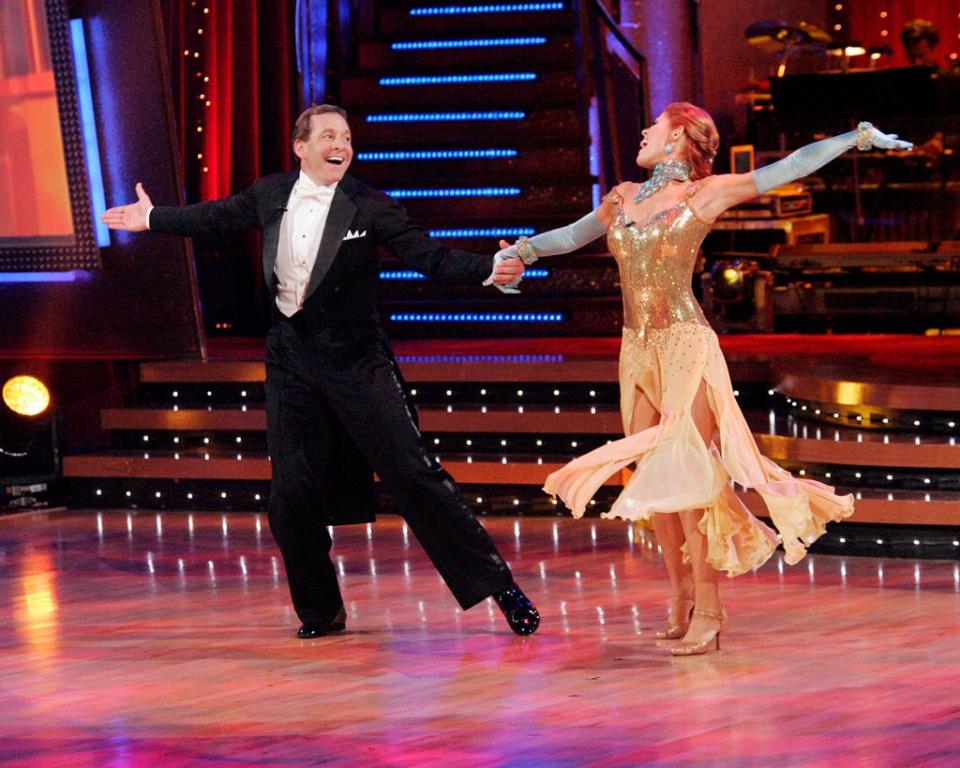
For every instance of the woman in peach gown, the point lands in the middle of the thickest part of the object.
(684, 429)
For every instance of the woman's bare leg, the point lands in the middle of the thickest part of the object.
(670, 537)
(669, 532)
(706, 577)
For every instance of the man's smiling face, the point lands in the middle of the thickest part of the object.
(326, 154)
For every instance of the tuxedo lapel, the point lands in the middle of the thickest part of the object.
(342, 212)
(276, 209)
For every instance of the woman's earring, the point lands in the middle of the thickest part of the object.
(668, 148)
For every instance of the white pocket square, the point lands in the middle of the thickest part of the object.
(352, 235)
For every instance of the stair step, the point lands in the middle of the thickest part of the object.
(126, 464)
(397, 22)
(101, 470)
(459, 53)
(562, 280)
(378, 127)
(473, 203)
(110, 464)
(495, 163)
(532, 420)
(475, 419)
(218, 488)
(549, 89)
(484, 237)
(537, 361)
(185, 419)
(547, 316)
(423, 368)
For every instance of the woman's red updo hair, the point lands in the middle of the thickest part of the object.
(702, 137)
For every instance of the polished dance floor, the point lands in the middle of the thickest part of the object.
(166, 639)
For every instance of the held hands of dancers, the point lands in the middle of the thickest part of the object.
(809, 158)
(132, 217)
(504, 259)
(507, 273)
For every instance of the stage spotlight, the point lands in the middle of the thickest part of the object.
(729, 279)
(29, 445)
(734, 295)
(26, 395)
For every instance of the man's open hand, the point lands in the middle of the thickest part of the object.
(132, 217)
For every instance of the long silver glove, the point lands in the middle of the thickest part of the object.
(807, 159)
(550, 243)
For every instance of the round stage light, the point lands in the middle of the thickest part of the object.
(731, 281)
(728, 282)
(26, 395)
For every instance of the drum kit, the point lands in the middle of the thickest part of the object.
(781, 39)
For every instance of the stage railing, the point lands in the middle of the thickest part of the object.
(620, 89)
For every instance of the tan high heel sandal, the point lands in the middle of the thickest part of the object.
(675, 631)
(701, 647)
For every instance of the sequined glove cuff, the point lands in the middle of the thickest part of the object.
(526, 252)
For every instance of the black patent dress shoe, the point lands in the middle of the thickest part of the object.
(522, 615)
(312, 629)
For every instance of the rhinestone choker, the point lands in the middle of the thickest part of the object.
(664, 172)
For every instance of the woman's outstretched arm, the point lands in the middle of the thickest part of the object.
(727, 190)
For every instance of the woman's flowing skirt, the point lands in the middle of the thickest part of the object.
(676, 470)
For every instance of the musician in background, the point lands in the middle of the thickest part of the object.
(920, 39)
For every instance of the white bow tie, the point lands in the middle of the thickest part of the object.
(306, 189)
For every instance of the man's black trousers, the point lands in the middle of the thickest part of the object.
(317, 388)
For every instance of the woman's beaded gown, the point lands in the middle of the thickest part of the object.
(668, 350)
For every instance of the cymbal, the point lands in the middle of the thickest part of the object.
(817, 35)
(774, 35)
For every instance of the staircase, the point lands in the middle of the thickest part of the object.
(502, 421)
(475, 115)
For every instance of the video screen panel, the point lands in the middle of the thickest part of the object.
(45, 220)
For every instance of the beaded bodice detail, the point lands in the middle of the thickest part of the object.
(656, 262)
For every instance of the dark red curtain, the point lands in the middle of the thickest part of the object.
(236, 95)
(233, 67)
(878, 22)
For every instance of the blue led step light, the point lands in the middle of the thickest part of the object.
(456, 192)
(409, 274)
(489, 232)
(477, 317)
(485, 77)
(439, 154)
(460, 10)
(430, 117)
(486, 42)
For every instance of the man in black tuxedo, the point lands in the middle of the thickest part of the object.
(336, 407)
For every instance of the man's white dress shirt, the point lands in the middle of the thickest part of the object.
(300, 233)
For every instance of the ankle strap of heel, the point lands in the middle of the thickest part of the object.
(720, 616)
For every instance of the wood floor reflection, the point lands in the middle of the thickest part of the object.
(142, 639)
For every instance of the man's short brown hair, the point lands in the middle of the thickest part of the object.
(301, 129)
(919, 29)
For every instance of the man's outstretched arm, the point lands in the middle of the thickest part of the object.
(209, 218)
(437, 261)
